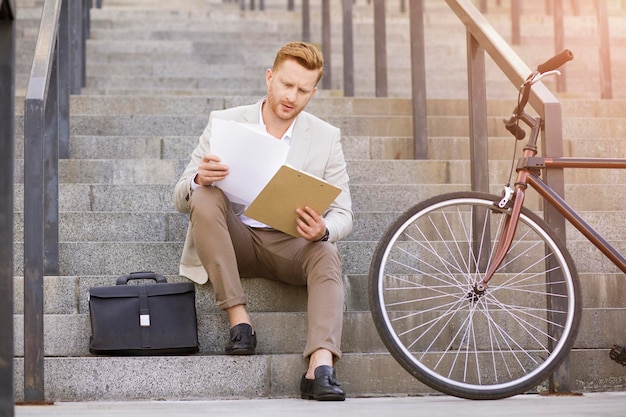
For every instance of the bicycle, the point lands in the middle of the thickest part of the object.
(474, 294)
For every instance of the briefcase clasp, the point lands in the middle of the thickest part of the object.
(144, 320)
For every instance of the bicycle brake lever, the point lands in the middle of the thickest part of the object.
(538, 76)
(508, 193)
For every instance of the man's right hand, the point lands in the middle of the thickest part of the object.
(210, 170)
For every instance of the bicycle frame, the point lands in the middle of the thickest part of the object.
(570, 213)
(528, 168)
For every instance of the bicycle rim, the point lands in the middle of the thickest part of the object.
(460, 341)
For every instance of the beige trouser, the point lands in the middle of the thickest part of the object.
(229, 250)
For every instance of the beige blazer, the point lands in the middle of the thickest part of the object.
(315, 148)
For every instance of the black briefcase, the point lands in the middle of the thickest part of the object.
(143, 319)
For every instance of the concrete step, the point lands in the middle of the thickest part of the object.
(323, 104)
(158, 197)
(362, 172)
(116, 258)
(212, 376)
(67, 295)
(359, 336)
(213, 333)
(384, 125)
(369, 195)
(260, 376)
(354, 147)
(175, 125)
(171, 227)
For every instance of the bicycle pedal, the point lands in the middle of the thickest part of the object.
(618, 354)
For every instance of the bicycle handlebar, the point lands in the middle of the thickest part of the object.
(556, 61)
(512, 126)
(551, 64)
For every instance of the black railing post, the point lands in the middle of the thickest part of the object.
(606, 81)
(306, 21)
(326, 45)
(559, 42)
(64, 80)
(86, 23)
(51, 169)
(77, 49)
(477, 98)
(380, 48)
(418, 79)
(33, 249)
(516, 13)
(561, 379)
(348, 50)
(7, 153)
(41, 133)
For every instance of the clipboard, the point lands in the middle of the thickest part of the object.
(289, 189)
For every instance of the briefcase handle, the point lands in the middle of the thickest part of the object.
(123, 280)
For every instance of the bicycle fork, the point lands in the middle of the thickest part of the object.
(508, 230)
(517, 195)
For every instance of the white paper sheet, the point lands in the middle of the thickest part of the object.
(252, 155)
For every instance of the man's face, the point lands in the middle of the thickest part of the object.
(289, 89)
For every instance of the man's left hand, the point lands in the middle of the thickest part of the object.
(310, 224)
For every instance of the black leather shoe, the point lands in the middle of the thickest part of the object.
(324, 387)
(242, 340)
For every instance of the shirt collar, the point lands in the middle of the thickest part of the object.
(287, 136)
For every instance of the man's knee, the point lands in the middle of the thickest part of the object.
(326, 260)
(330, 253)
(207, 201)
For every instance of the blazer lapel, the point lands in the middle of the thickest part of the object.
(251, 114)
(300, 142)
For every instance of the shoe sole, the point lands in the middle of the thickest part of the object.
(330, 397)
(241, 352)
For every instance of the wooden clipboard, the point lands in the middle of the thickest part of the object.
(287, 190)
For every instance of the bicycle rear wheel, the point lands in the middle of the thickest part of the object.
(454, 338)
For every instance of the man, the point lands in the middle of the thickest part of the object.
(223, 245)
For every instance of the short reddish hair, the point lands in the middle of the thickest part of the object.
(304, 53)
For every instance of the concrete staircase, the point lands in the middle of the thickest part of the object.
(155, 71)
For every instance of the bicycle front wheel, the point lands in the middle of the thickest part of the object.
(456, 339)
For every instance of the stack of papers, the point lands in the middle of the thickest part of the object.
(252, 155)
(259, 178)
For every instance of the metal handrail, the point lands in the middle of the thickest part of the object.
(7, 153)
(57, 64)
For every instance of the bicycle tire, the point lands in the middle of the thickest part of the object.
(444, 332)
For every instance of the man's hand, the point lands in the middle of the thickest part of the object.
(310, 224)
(210, 170)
